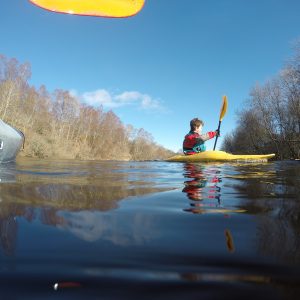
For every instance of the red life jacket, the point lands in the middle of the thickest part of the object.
(194, 142)
(190, 140)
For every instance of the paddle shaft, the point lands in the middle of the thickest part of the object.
(217, 135)
(222, 114)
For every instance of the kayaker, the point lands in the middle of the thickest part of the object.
(194, 141)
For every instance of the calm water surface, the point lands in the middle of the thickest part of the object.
(151, 230)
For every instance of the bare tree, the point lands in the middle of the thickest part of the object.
(271, 122)
(58, 125)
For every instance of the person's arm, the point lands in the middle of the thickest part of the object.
(207, 136)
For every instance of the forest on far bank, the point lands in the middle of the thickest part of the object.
(270, 122)
(57, 125)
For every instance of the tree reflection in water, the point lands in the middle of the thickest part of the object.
(272, 193)
(41, 191)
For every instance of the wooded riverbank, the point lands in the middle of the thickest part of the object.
(270, 122)
(57, 125)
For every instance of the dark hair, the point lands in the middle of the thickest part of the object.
(195, 123)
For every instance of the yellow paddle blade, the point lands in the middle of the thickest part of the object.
(98, 8)
(224, 108)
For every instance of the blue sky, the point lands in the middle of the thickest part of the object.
(157, 70)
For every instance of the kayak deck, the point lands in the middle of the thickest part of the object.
(208, 156)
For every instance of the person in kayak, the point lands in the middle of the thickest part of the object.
(194, 141)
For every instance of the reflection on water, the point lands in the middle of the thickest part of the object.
(68, 195)
(229, 240)
(159, 229)
(202, 184)
(204, 189)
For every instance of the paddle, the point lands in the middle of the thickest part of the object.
(222, 114)
(96, 8)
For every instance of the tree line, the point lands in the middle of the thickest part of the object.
(270, 122)
(58, 125)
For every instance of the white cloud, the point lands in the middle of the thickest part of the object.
(97, 98)
(149, 103)
(127, 98)
(73, 93)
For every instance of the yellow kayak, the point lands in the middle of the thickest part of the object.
(207, 156)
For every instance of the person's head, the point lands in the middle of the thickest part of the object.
(196, 124)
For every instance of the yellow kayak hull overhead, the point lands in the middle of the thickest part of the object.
(208, 156)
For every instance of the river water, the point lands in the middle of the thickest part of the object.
(150, 230)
